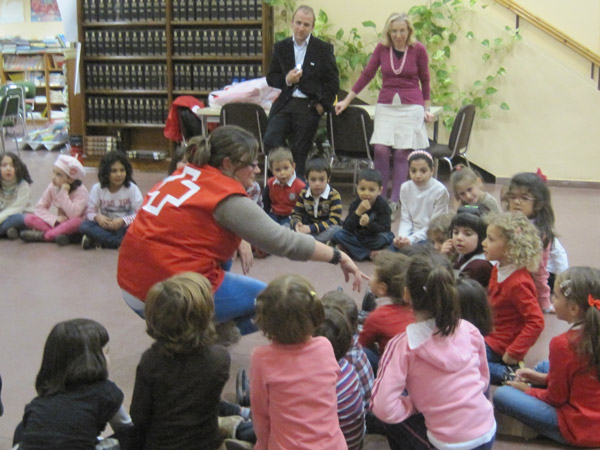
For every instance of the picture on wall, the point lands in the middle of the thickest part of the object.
(44, 11)
(11, 11)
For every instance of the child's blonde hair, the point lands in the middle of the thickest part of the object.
(288, 310)
(581, 286)
(462, 174)
(440, 225)
(280, 154)
(390, 269)
(523, 244)
(179, 312)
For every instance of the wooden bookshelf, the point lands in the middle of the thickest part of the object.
(45, 69)
(137, 56)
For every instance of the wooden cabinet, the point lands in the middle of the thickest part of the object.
(138, 55)
(46, 70)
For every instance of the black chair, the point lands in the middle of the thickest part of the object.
(11, 114)
(459, 139)
(349, 135)
(250, 117)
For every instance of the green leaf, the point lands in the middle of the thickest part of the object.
(369, 24)
(470, 35)
(489, 78)
(490, 90)
(323, 16)
(498, 42)
(339, 34)
(447, 51)
(441, 74)
(485, 42)
(439, 16)
(486, 56)
(504, 106)
(436, 5)
(501, 71)
(477, 83)
(451, 38)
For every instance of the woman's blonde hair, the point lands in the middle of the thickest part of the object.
(179, 313)
(227, 141)
(385, 34)
(288, 310)
(523, 244)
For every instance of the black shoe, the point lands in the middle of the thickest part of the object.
(12, 233)
(369, 303)
(62, 240)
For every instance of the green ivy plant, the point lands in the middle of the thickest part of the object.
(437, 26)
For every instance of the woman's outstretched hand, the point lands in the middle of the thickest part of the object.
(349, 268)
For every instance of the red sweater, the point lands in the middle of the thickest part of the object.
(384, 323)
(518, 318)
(574, 391)
(284, 197)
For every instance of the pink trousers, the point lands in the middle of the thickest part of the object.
(69, 226)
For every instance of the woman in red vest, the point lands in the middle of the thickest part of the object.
(194, 220)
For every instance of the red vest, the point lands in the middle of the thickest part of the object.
(175, 231)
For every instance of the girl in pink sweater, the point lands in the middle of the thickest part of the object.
(432, 379)
(293, 379)
(62, 207)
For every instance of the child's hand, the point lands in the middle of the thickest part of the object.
(447, 247)
(61, 218)
(364, 220)
(103, 221)
(66, 187)
(117, 223)
(509, 360)
(400, 242)
(532, 377)
(300, 228)
(363, 207)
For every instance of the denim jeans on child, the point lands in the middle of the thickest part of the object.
(15, 221)
(361, 248)
(496, 365)
(104, 237)
(531, 411)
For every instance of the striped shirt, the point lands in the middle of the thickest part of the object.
(320, 213)
(358, 358)
(351, 412)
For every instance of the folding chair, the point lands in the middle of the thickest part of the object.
(11, 113)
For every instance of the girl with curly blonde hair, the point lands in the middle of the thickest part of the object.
(514, 243)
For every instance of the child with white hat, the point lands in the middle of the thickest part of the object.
(61, 210)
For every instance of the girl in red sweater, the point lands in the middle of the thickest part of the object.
(565, 404)
(514, 243)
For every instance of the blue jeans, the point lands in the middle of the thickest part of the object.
(234, 300)
(281, 220)
(531, 411)
(15, 221)
(104, 237)
(326, 235)
(360, 248)
(496, 365)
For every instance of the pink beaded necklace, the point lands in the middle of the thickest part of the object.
(397, 71)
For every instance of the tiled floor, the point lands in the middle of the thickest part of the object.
(42, 284)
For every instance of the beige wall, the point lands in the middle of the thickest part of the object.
(29, 29)
(555, 106)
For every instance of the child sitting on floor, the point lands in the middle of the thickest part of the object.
(112, 205)
(282, 189)
(15, 195)
(564, 402)
(421, 198)
(61, 210)
(350, 405)
(318, 210)
(367, 228)
(293, 379)
(518, 320)
(467, 187)
(439, 231)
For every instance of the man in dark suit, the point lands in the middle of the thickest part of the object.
(304, 68)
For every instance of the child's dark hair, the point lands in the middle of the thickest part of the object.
(581, 286)
(317, 165)
(342, 301)
(21, 171)
(474, 305)
(337, 330)
(372, 175)
(430, 281)
(421, 154)
(471, 217)
(106, 164)
(288, 310)
(544, 214)
(179, 312)
(74, 185)
(72, 357)
(390, 269)
(280, 154)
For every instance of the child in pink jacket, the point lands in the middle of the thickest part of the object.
(61, 210)
(432, 379)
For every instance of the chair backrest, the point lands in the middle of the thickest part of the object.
(249, 116)
(461, 130)
(189, 123)
(350, 132)
(28, 88)
(10, 107)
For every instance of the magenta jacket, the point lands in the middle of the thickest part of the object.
(412, 85)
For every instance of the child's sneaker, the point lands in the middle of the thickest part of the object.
(62, 240)
(12, 233)
(32, 236)
(88, 243)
